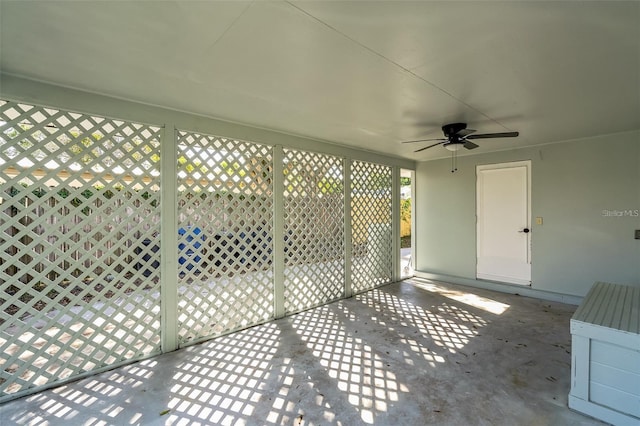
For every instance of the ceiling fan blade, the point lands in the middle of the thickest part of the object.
(465, 132)
(425, 140)
(470, 145)
(494, 135)
(430, 146)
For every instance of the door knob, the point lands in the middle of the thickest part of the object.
(525, 230)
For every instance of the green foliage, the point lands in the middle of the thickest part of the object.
(330, 185)
(374, 183)
(39, 192)
(405, 209)
(377, 181)
(84, 195)
(405, 181)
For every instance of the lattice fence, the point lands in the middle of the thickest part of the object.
(79, 257)
(80, 239)
(314, 229)
(371, 231)
(225, 242)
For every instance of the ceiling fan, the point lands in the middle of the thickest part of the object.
(457, 136)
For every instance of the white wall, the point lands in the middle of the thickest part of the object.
(572, 183)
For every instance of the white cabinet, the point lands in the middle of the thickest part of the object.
(605, 354)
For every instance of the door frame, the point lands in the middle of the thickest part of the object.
(494, 166)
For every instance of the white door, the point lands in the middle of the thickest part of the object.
(504, 222)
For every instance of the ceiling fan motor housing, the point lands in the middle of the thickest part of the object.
(450, 130)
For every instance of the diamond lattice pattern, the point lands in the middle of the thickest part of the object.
(225, 235)
(79, 257)
(371, 217)
(314, 229)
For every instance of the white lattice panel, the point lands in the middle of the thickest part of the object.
(225, 218)
(372, 262)
(79, 257)
(314, 229)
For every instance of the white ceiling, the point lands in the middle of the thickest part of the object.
(365, 73)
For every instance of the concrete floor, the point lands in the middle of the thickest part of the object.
(410, 353)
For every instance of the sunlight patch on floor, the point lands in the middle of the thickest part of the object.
(448, 326)
(360, 373)
(217, 384)
(488, 305)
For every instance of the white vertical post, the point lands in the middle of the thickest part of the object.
(169, 240)
(348, 245)
(395, 222)
(414, 248)
(278, 230)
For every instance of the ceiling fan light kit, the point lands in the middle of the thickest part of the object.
(453, 146)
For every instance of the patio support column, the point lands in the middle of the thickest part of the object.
(395, 223)
(414, 207)
(278, 231)
(348, 246)
(169, 239)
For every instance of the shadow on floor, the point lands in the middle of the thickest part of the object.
(410, 353)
